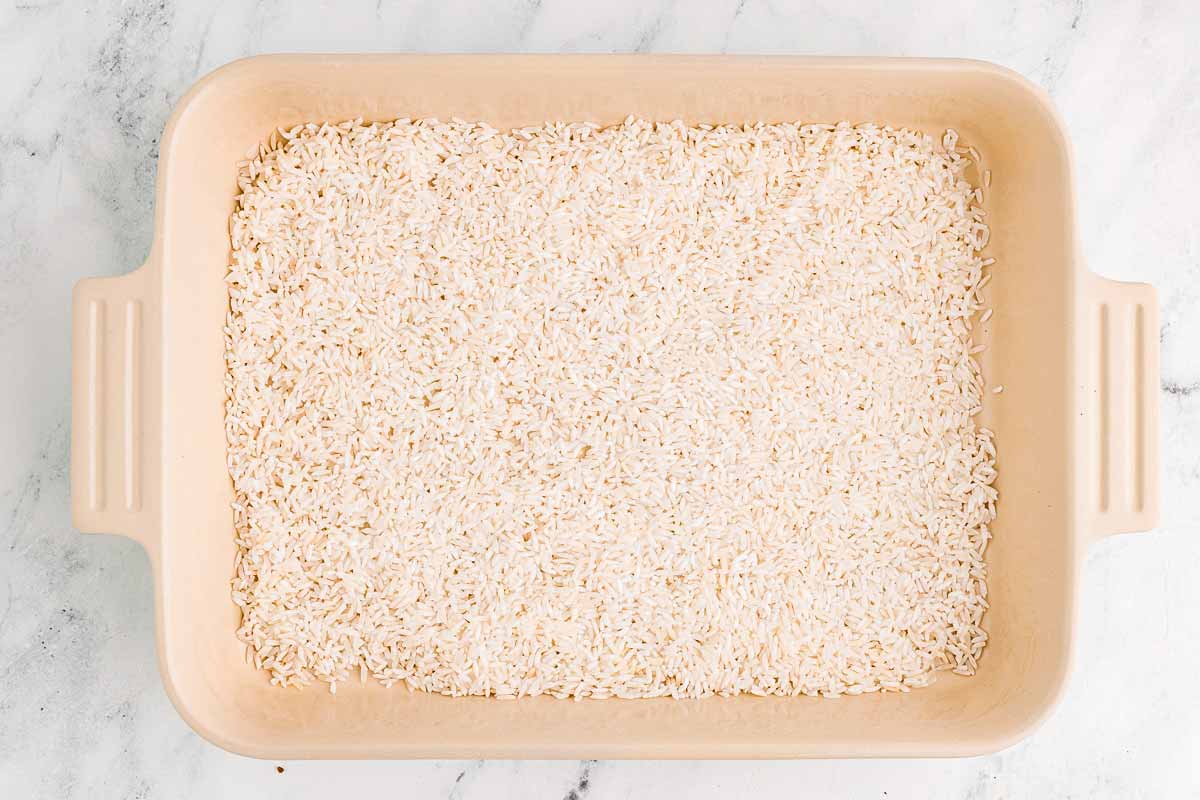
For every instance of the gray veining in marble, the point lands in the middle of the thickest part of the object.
(85, 88)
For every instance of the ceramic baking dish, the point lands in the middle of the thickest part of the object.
(1076, 425)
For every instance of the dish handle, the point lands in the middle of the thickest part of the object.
(110, 371)
(1121, 373)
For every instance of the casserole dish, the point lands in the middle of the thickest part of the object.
(1076, 426)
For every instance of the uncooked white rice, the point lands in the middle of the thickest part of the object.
(635, 411)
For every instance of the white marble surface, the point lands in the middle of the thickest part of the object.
(84, 91)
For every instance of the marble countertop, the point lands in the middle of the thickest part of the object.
(85, 90)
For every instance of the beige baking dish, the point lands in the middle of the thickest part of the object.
(1077, 424)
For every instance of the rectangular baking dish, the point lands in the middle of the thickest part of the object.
(1076, 427)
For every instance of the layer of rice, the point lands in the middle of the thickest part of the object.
(636, 411)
